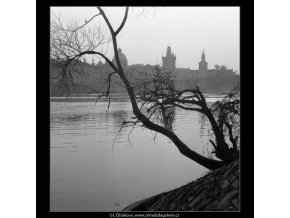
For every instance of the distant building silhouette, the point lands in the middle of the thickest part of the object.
(216, 80)
(99, 64)
(169, 61)
(203, 63)
(169, 64)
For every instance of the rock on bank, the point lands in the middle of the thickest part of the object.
(216, 191)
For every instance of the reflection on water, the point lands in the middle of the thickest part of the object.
(91, 173)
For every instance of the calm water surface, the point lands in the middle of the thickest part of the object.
(90, 173)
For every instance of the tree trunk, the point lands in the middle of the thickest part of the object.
(185, 150)
(222, 149)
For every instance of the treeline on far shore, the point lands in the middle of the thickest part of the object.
(93, 80)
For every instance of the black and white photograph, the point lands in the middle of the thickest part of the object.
(144, 109)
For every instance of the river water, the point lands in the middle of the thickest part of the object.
(93, 170)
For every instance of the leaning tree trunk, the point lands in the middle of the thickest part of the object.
(184, 149)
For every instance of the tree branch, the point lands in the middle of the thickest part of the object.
(86, 22)
(100, 54)
(123, 22)
(107, 21)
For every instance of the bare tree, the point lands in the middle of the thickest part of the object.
(227, 113)
(153, 98)
(158, 93)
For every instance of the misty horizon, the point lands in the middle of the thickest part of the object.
(145, 38)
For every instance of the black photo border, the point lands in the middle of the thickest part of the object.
(247, 105)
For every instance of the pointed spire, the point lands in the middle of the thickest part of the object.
(100, 63)
(203, 55)
(168, 53)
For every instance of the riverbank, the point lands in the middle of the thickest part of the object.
(216, 191)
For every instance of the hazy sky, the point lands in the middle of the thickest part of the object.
(188, 30)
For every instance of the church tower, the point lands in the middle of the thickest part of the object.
(169, 61)
(203, 63)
